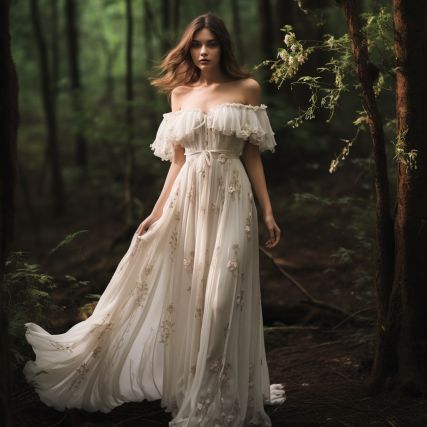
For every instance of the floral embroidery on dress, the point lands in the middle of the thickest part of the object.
(239, 299)
(173, 242)
(251, 381)
(58, 346)
(167, 324)
(235, 185)
(172, 202)
(190, 194)
(148, 269)
(96, 352)
(222, 158)
(232, 263)
(82, 372)
(248, 225)
(141, 291)
(188, 261)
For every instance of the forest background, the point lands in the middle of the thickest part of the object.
(86, 178)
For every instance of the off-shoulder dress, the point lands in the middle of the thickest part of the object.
(180, 319)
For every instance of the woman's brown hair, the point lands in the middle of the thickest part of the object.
(177, 68)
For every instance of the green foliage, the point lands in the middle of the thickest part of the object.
(28, 293)
(407, 158)
(68, 239)
(337, 76)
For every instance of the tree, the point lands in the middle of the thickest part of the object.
(235, 10)
(166, 25)
(401, 270)
(385, 238)
(130, 156)
(57, 187)
(71, 13)
(266, 34)
(401, 352)
(8, 131)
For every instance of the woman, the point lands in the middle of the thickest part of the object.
(181, 318)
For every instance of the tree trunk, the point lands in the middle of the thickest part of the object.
(71, 13)
(405, 337)
(55, 49)
(267, 40)
(385, 238)
(130, 158)
(176, 9)
(8, 130)
(235, 9)
(57, 188)
(148, 20)
(166, 25)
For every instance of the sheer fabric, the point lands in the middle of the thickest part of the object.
(180, 319)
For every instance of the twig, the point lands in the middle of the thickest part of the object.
(310, 299)
(351, 316)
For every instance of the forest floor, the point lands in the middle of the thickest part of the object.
(322, 354)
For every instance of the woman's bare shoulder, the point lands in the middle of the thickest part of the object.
(177, 95)
(251, 91)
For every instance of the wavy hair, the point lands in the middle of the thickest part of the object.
(177, 67)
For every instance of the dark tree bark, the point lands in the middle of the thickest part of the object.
(148, 20)
(237, 32)
(57, 187)
(130, 157)
(166, 25)
(176, 9)
(71, 16)
(384, 228)
(402, 347)
(267, 40)
(8, 131)
(55, 49)
(266, 28)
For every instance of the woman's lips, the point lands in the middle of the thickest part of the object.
(204, 61)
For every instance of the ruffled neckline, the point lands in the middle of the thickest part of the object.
(216, 107)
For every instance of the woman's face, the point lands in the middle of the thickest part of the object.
(205, 49)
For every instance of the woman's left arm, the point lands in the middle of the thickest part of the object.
(252, 161)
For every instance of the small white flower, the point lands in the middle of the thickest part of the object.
(284, 55)
(232, 265)
(294, 47)
(287, 39)
(222, 158)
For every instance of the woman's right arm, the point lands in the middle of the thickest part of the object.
(176, 164)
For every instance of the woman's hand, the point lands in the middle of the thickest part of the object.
(146, 224)
(273, 229)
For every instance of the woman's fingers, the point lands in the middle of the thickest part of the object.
(141, 229)
(274, 236)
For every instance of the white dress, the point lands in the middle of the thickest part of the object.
(181, 318)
